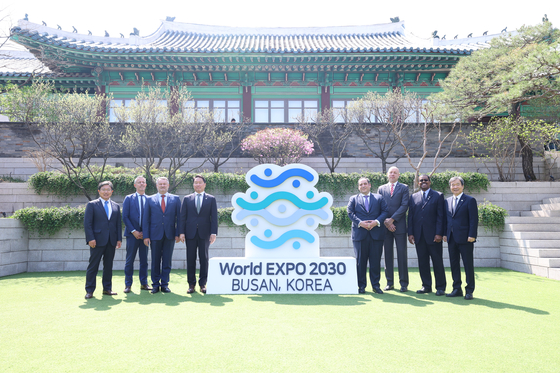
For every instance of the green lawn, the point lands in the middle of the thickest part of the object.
(512, 325)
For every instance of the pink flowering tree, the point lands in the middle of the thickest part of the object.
(279, 146)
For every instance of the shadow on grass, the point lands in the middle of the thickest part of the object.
(174, 299)
(311, 299)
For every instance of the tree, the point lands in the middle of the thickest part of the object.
(500, 138)
(432, 132)
(71, 128)
(220, 139)
(161, 138)
(516, 68)
(279, 146)
(328, 135)
(381, 119)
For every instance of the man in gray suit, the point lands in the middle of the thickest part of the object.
(396, 196)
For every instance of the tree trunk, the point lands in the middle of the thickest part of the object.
(527, 161)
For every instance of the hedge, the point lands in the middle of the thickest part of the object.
(53, 219)
(338, 184)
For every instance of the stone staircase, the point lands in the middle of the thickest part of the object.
(530, 242)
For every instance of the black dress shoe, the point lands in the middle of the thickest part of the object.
(424, 290)
(165, 289)
(378, 290)
(155, 289)
(455, 293)
(127, 290)
(191, 290)
(89, 295)
(389, 287)
(145, 287)
(469, 296)
(203, 289)
(439, 293)
(404, 289)
(361, 290)
(109, 292)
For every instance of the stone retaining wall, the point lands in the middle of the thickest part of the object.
(23, 251)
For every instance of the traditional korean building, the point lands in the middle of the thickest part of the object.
(270, 75)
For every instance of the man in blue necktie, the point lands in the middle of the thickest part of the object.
(133, 207)
(103, 228)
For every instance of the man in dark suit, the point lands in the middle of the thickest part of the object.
(426, 216)
(133, 207)
(199, 227)
(367, 211)
(396, 196)
(103, 228)
(160, 226)
(460, 235)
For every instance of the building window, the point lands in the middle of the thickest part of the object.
(126, 103)
(224, 110)
(416, 117)
(340, 110)
(285, 111)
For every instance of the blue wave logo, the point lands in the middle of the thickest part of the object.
(296, 233)
(281, 178)
(282, 202)
(279, 196)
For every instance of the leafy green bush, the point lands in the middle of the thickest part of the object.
(338, 184)
(492, 217)
(10, 179)
(52, 219)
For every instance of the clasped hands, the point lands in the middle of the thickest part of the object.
(389, 224)
(368, 224)
(212, 238)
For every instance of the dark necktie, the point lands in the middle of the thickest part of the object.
(141, 210)
(198, 203)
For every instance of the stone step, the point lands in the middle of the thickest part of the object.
(547, 206)
(532, 260)
(551, 200)
(536, 253)
(554, 273)
(531, 244)
(540, 213)
(532, 220)
(531, 235)
(532, 228)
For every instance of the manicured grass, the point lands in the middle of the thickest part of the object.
(512, 325)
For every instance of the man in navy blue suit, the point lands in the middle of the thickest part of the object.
(426, 223)
(133, 207)
(160, 226)
(199, 226)
(103, 228)
(367, 212)
(460, 235)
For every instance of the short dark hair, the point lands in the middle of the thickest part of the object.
(364, 178)
(199, 177)
(103, 183)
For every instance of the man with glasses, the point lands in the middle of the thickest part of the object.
(426, 216)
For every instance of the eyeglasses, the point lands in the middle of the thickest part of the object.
(423, 180)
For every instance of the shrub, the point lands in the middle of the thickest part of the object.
(280, 146)
(492, 217)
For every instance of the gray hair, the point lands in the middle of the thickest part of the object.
(455, 178)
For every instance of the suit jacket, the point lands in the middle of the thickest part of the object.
(131, 214)
(396, 205)
(205, 221)
(426, 217)
(96, 225)
(357, 212)
(465, 220)
(155, 224)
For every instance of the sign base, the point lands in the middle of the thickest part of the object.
(323, 275)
